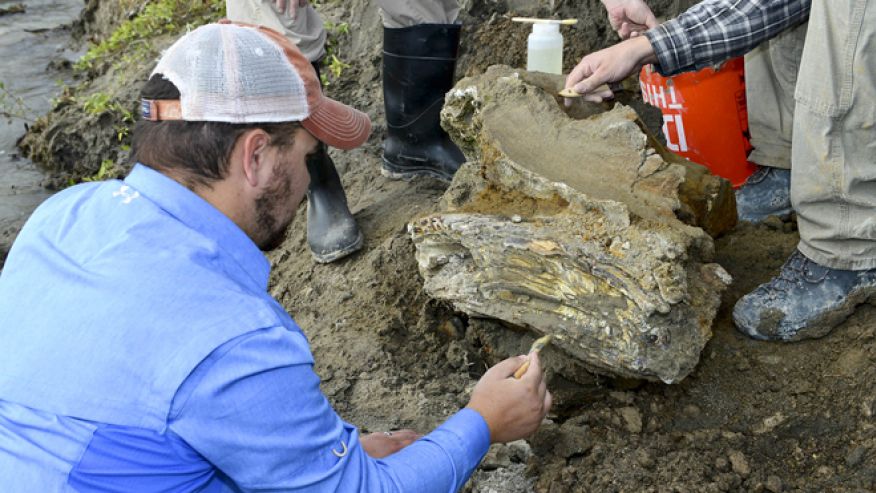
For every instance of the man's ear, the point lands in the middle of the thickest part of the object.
(255, 144)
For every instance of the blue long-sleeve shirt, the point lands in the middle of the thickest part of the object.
(140, 351)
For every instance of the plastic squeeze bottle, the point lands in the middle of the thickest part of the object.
(544, 48)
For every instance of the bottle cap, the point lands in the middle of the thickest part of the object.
(540, 28)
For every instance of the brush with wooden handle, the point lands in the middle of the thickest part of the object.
(537, 346)
(534, 20)
(571, 93)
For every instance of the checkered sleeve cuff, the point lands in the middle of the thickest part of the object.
(672, 47)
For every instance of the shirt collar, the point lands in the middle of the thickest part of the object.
(198, 214)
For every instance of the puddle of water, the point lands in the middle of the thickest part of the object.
(28, 42)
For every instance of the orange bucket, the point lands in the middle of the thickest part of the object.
(705, 117)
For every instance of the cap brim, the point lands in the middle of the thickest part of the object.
(337, 124)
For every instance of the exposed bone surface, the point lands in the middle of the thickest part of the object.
(571, 224)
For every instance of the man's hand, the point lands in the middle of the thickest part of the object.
(379, 445)
(512, 408)
(612, 64)
(629, 18)
(289, 7)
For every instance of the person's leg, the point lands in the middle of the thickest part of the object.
(834, 176)
(332, 232)
(306, 30)
(407, 13)
(833, 184)
(420, 44)
(770, 77)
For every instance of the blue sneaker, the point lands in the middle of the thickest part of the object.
(805, 301)
(765, 193)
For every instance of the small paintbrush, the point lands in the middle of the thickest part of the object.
(537, 346)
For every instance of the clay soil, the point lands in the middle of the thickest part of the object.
(753, 417)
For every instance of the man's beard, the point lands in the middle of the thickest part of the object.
(268, 206)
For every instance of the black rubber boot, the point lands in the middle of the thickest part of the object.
(418, 65)
(332, 232)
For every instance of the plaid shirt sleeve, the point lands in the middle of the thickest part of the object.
(714, 30)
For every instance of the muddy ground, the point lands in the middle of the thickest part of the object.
(754, 416)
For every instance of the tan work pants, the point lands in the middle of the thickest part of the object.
(770, 78)
(306, 30)
(406, 13)
(833, 179)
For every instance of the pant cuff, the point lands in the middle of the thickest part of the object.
(774, 157)
(833, 262)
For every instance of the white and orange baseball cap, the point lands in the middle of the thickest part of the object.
(238, 73)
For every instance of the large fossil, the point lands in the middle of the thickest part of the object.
(571, 224)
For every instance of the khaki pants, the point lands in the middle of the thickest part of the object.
(405, 13)
(770, 78)
(833, 180)
(307, 30)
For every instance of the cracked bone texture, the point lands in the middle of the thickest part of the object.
(575, 223)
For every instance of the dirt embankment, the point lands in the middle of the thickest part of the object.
(752, 417)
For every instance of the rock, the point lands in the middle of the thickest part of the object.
(624, 397)
(856, 456)
(632, 419)
(770, 423)
(645, 459)
(722, 464)
(456, 355)
(520, 451)
(739, 463)
(774, 484)
(497, 457)
(574, 441)
(614, 264)
(692, 411)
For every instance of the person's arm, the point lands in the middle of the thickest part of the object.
(713, 31)
(707, 33)
(254, 409)
(629, 18)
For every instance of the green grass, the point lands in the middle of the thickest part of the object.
(131, 41)
(335, 34)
